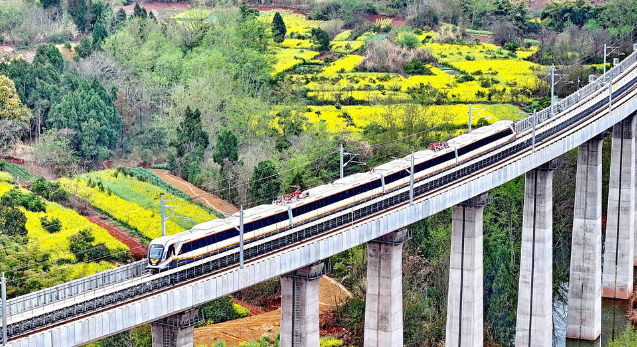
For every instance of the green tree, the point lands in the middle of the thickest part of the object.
(89, 111)
(120, 17)
(322, 37)
(82, 247)
(12, 221)
(278, 28)
(188, 150)
(84, 48)
(50, 3)
(11, 108)
(227, 148)
(49, 54)
(265, 183)
(139, 11)
(99, 35)
(248, 13)
(78, 11)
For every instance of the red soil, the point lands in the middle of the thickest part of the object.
(138, 250)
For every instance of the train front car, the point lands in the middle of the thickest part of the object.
(159, 253)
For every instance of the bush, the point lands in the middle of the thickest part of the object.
(511, 46)
(415, 67)
(465, 78)
(29, 201)
(50, 190)
(222, 310)
(81, 245)
(387, 56)
(52, 225)
(161, 166)
(409, 41)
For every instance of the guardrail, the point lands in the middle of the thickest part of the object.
(564, 104)
(75, 287)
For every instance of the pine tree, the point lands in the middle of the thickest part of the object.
(139, 11)
(227, 148)
(278, 28)
(84, 48)
(120, 16)
(265, 184)
(77, 9)
(99, 35)
(49, 54)
(49, 3)
(188, 150)
(323, 39)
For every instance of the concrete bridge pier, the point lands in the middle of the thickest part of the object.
(584, 317)
(617, 276)
(175, 331)
(300, 307)
(534, 326)
(384, 297)
(465, 298)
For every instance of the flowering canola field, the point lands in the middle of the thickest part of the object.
(57, 243)
(136, 203)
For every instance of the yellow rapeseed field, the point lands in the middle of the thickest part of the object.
(5, 177)
(72, 223)
(296, 43)
(346, 64)
(343, 36)
(146, 222)
(287, 58)
(434, 115)
(346, 46)
(294, 22)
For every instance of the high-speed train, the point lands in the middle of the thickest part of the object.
(207, 238)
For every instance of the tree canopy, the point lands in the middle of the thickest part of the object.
(278, 28)
(265, 183)
(11, 107)
(188, 150)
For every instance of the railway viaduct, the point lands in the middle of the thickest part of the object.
(107, 303)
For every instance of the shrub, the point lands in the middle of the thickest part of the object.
(52, 225)
(409, 41)
(49, 190)
(29, 201)
(470, 57)
(81, 245)
(415, 67)
(465, 78)
(222, 310)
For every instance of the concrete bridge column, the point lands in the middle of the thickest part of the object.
(175, 331)
(584, 317)
(534, 326)
(617, 276)
(300, 307)
(384, 298)
(465, 303)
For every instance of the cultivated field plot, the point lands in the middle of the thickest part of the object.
(136, 203)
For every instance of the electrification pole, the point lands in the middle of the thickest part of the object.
(534, 123)
(241, 237)
(411, 181)
(341, 160)
(163, 216)
(4, 309)
(552, 88)
(605, 58)
(469, 119)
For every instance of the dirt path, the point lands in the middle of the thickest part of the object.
(138, 249)
(331, 295)
(212, 201)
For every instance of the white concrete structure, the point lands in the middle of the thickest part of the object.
(168, 301)
(464, 299)
(584, 318)
(176, 330)
(384, 296)
(617, 275)
(300, 307)
(534, 325)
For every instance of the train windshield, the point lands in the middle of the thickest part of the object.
(155, 251)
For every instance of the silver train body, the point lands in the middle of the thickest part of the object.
(211, 237)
